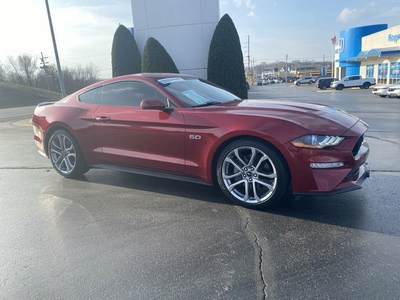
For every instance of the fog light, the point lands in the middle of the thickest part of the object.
(326, 165)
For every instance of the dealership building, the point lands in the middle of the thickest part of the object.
(185, 33)
(370, 51)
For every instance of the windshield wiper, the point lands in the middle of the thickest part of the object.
(208, 103)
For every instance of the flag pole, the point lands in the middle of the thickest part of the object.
(333, 55)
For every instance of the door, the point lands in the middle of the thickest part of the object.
(132, 137)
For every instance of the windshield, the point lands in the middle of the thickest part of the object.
(194, 92)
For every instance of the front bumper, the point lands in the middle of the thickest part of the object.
(394, 94)
(352, 153)
(353, 181)
(379, 92)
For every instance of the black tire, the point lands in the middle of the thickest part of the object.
(297, 83)
(366, 85)
(310, 82)
(382, 96)
(324, 87)
(340, 87)
(65, 155)
(253, 166)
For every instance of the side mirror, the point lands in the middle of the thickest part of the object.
(154, 104)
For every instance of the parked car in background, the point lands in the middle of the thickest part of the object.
(182, 127)
(291, 78)
(305, 80)
(353, 81)
(324, 82)
(382, 90)
(394, 91)
(247, 85)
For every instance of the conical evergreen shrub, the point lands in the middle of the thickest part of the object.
(125, 55)
(156, 59)
(225, 59)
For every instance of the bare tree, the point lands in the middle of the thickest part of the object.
(2, 73)
(24, 69)
(28, 66)
(13, 71)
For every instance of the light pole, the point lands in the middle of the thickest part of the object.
(60, 76)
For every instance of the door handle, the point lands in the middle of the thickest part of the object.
(103, 119)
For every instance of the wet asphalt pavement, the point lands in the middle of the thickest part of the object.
(113, 235)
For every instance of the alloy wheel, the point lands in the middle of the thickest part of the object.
(63, 154)
(249, 175)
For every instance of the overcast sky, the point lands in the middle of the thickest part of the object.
(84, 28)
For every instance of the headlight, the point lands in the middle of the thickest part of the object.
(317, 141)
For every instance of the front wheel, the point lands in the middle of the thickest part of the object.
(65, 155)
(340, 87)
(297, 83)
(251, 174)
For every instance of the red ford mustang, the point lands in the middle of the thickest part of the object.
(182, 127)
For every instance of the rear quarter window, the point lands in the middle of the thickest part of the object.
(91, 97)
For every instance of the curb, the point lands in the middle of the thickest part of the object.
(27, 122)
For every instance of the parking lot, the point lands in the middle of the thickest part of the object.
(114, 235)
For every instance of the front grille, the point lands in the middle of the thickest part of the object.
(357, 146)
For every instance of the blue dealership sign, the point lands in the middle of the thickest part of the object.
(393, 38)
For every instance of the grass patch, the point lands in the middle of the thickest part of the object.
(14, 95)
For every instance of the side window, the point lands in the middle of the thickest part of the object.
(91, 97)
(129, 93)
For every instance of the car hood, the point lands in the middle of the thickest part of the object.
(383, 86)
(311, 116)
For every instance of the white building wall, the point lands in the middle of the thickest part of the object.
(184, 27)
(380, 39)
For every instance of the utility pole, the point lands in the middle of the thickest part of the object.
(60, 75)
(43, 66)
(286, 68)
(248, 52)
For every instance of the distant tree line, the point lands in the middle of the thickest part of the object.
(25, 70)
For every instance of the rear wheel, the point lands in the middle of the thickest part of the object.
(65, 155)
(251, 174)
(323, 87)
(366, 85)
